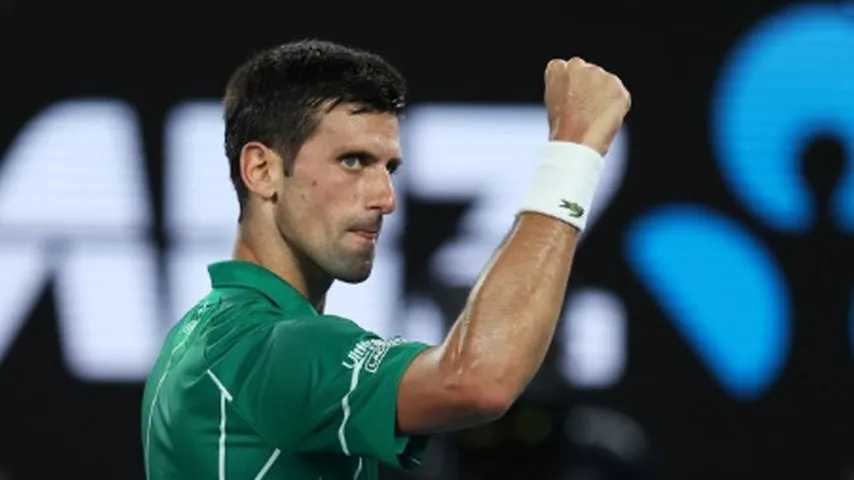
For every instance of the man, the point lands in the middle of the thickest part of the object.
(256, 381)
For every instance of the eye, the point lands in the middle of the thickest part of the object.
(352, 162)
(392, 167)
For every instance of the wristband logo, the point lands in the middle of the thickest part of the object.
(714, 276)
(575, 210)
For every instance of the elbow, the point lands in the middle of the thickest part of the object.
(479, 393)
(490, 403)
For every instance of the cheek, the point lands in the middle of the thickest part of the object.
(318, 202)
(327, 205)
(335, 188)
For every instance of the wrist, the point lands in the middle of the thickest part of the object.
(564, 182)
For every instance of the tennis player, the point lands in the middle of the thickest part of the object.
(257, 381)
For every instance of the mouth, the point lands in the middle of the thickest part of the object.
(368, 230)
(370, 235)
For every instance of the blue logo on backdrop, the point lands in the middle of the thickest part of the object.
(790, 80)
(720, 287)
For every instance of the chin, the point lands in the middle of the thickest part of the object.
(352, 270)
(355, 275)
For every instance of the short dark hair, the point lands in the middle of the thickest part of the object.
(275, 96)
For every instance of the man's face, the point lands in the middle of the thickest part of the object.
(340, 187)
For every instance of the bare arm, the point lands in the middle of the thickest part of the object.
(502, 335)
(498, 342)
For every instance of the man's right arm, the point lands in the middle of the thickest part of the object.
(502, 335)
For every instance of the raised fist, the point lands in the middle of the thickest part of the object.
(585, 103)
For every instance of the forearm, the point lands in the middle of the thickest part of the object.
(503, 333)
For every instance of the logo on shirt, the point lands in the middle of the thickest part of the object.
(575, 210)
(370, 353)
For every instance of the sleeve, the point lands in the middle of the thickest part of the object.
(324, 384)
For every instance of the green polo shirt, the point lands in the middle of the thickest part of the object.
(253, 383)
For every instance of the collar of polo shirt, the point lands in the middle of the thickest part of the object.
(242, 274)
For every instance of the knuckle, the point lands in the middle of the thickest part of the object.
(615, 82)
(553, 63)
(625, 92)
(576, 62)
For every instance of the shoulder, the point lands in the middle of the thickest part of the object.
(266, 326)
(232, 322)
(327, 330)
(337, 339)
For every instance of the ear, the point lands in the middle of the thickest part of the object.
(261, 169)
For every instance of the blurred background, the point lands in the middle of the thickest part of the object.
(708, 329)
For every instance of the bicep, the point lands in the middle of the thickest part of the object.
(434, 397)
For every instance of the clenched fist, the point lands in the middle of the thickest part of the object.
(585, 103)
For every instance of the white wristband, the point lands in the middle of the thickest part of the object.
(564, 182)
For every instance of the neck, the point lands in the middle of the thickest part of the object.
(266, 247)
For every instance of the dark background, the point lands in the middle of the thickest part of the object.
(54, 425)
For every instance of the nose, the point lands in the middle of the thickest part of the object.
(381, 192)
